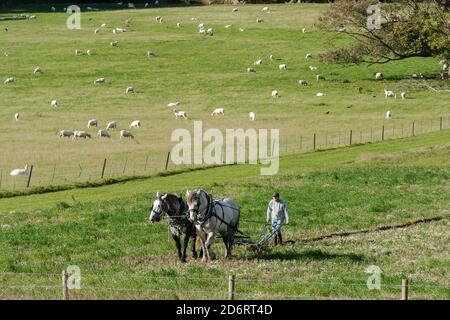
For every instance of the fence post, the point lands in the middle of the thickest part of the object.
(1, 177)
(29, 177)
(65, 288)
(231, 287)
(314, 142)
(413, 128)
(53, 175)
(146, 161)
(125, 166)
(167, 160)
(440, 124)
(351, 136)
(103, 169)
(382, 133)
(404, 289)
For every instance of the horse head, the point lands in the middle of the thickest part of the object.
(159, 206)
(197, 201)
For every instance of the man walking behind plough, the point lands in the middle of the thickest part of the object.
(277, 211)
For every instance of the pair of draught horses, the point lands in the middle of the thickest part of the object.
(199, 215)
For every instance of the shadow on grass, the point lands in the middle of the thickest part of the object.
(310, 255)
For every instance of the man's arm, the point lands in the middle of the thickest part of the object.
(269, 211)
(286, 214)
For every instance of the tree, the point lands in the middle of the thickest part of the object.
(385, 32)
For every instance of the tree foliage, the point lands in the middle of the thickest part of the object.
(408, 28)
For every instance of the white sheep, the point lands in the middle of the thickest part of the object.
(312, 68)
(33, 17)
(111, 125)
(100, 80)
(92, 123)
(146, 5)
(228, 26)
(9, 80)
(180, 114)
(118, 30)
(78, 52)
(81, 134)
(20, 172)
(16, 116)
(173, 104)
(131, 5)
(103, 25)
(282, 66)
(54, 103)
(157, 18)
(252, 116)
(179, 24)
(265, 9)
(274, 94)
(114, 43)
(403, 95)
(103, 133)
(129, 90)
(271, 57)
(389, 94)
(96, 31)
(308, 56)
(66, 133)
(319, 77)
(259, 61)
(88, 52)
(388, 115)
(202, 31)
(37, 70)
(303, 82)
(320, 94)
(241, 29)
(259, 20)
(251, 70)
(135, 124)
(210, 31)
(218, 112)
(303, 30)
(235, 10)
(151, 54)
(378, 76)
(126, 134)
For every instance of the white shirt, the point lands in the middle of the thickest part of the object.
(277, 210)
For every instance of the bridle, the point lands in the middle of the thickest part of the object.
(209, 210)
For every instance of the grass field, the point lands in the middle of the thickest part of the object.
(105, 230)
(203, 73)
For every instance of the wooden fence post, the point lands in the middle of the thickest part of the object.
(404, 289)
(382, 133)
(54, 170)
(125, 166)
(440, 124)
(413, 128)
(29, 177)
(314, 142)
(351, 136)
(65, 288)
(103, 169)
(146, 161)
(231, 287)
(167, 160)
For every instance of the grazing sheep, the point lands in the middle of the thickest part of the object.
(103, 133)
(403, 95)
(118, 30)
(16, 116)
(258, 62)
(151, 54)
(32, 17)
(130, 90)
(320, 77)
(88, 52)
(9, 80)
(202, 31)
(20, 172)
(235, 10)
(114, 43)
(303, 30)
(228, 26)
(320, 94)
(251, 70)
(378, 76)
(173, 104)
(66, 133)
(388, 115)
(81, 134)
(271, 57)
(266, 9)
(6, 54)
(54, 103)
(282, 66)
(157, 18)
(178, 24)
(312, 68)
(103, 25)
(135, 124)
(210, 31)
(111, 125)
(308, 56)
(37, 70)
(218, 112)
(303, 82)
(78, 52)
(126, 134)
(259, 20)
(100, 80)
(389, 94)
(241, 29)
(92, 123)
(275, 94)
(252, 116)
(180, 114)
(96, 31)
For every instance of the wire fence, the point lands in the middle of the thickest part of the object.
(70, 173)
(147, 286)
